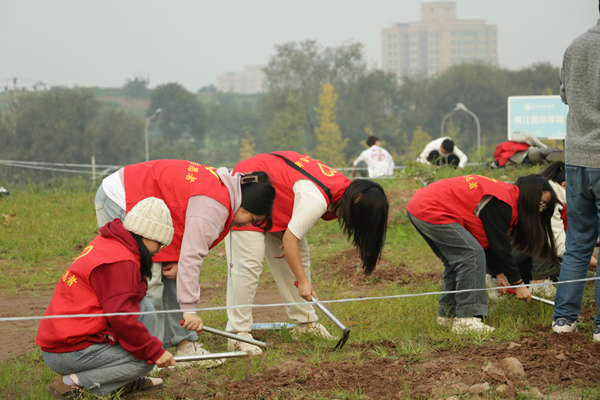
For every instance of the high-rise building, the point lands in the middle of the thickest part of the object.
(436, 42)
(248, 81)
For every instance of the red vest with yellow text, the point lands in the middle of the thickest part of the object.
(75, 295)
(175, 181)
(283, 177)
(454, 200)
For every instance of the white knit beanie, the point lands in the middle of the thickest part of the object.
(151, 218)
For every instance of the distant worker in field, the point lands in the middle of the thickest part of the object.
(472, 224)
(104, 354)
(379, 161)
(443, 151)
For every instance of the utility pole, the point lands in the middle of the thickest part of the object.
(15, 106)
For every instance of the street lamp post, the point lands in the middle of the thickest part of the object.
(158, 111)
(461, 107)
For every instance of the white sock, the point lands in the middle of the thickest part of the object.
(71, 380)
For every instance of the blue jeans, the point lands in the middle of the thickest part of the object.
(464, 268)
(102, 367)
(583, 215)
(162, 292)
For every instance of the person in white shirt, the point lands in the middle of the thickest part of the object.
(379, 161)
(443, 151)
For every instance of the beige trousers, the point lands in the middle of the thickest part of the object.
(246, 252)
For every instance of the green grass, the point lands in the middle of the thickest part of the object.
(42, 228)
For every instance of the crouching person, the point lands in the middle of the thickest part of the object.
(107, 354)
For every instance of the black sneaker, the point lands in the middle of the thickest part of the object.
(140, 384)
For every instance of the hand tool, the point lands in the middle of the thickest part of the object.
(345, 330)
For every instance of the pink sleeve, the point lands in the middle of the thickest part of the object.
(205, 220)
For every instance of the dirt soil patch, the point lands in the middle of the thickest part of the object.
(538, 362)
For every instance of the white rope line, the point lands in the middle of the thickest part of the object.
(284, 304)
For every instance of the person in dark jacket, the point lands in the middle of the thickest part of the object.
(107, 353)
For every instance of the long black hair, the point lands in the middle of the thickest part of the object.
(145, 257)
(555, 172)
(363, 215)
(258, 195)
(533, 233)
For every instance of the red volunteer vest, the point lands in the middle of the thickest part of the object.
(283, 177)
(454, 200)
(175, 181)
(75, 295)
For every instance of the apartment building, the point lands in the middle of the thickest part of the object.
(248, 81)
(437, 42)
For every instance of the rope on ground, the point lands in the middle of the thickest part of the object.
(7, 319)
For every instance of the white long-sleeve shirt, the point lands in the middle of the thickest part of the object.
(437, 145)
(379, 161)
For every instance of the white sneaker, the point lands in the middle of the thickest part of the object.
(561, 325)
(547, 290)
(445, 321)
(597, 334)
(313, 328)
(192, 349)
(492, 283)
(236, 345)
(470, 325)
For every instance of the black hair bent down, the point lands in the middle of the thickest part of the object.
(363, 215)
(533, 233)
(145, 257)
(448, 145)
(258, 195)
(555, 172)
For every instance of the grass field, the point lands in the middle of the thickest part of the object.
(396, 350)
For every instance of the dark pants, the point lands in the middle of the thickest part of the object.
(437, 159)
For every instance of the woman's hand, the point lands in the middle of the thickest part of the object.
(166, 360)
(192, 322)
(170, 271)
(282, 253)
(305, 290)
(502, 281)
(523, 293)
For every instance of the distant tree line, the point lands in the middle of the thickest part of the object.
(323, 101)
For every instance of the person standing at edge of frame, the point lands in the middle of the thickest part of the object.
(580, 89)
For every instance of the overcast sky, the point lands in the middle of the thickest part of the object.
(105, 42)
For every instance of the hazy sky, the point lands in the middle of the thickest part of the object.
(105, 42)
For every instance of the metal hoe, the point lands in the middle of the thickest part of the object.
(233, 336)
(345, 330)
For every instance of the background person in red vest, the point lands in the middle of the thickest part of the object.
(205, 202)
(360, 205)
(104, 354)
(472, 223)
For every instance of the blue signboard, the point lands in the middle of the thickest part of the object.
(544, 117)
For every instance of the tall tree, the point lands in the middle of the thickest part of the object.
(53, 126)
(301, 68)
(182, 113)
(136, 87)
(247, 149)
(286, 132)
(330, 145)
